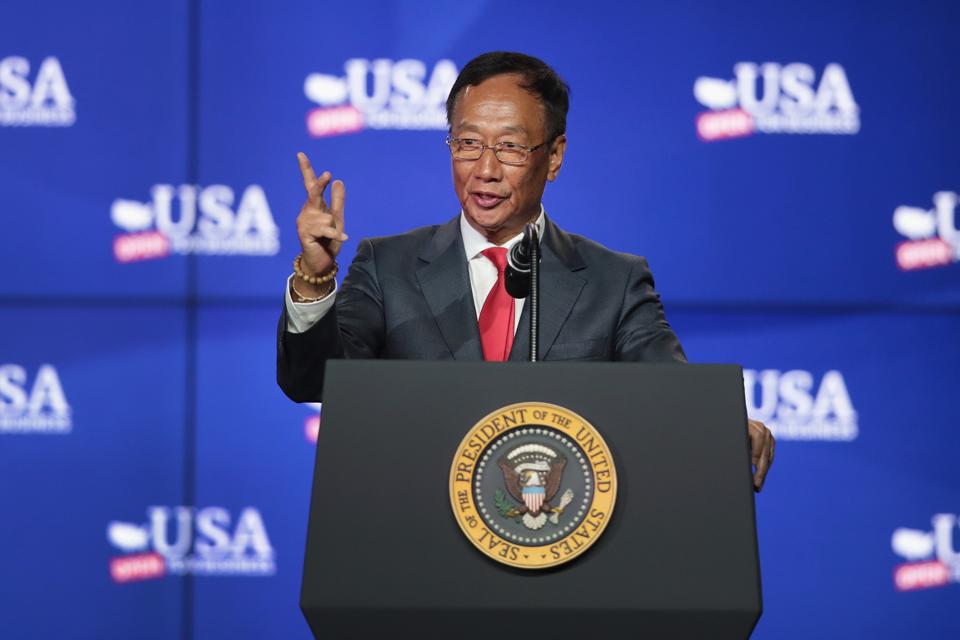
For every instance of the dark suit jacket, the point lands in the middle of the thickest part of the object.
(409, 297)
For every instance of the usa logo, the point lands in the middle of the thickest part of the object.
(379, 94)
(533, 485)
(933, 239)
(776, 98)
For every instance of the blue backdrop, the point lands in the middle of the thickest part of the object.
(790, 171)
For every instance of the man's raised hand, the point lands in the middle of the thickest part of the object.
(319, 227)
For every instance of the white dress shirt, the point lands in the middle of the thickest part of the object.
(483, 276)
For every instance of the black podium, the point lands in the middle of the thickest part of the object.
(385, 556)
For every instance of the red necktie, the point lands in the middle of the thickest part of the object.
(496, 317)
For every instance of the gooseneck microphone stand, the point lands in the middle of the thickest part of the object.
(534, 299)
(522, 280)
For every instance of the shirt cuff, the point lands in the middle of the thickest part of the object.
(303, 315)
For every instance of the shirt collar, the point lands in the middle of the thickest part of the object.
(474, 242)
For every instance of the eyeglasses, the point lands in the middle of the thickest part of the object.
(506, 152)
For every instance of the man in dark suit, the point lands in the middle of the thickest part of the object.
(437, 292)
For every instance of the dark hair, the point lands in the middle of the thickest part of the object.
(537, 78)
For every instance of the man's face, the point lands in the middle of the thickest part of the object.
(498, 199)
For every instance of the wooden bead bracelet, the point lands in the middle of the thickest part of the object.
(314, 280)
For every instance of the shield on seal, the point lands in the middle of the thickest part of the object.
(533, 498)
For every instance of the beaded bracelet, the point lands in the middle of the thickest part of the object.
(314, 280)
(301, 299)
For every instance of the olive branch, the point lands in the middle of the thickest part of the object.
(506, 508)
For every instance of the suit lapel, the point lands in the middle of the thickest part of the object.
(560, 287)
(445, 283)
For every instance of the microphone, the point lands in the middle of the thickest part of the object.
(516, 276)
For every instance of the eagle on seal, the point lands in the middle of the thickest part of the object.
(532, 474)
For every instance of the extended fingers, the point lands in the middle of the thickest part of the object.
(314, 185)
(338, 193)
(306, 170)
(315, 192)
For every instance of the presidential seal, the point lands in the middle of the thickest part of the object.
(533, 485)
